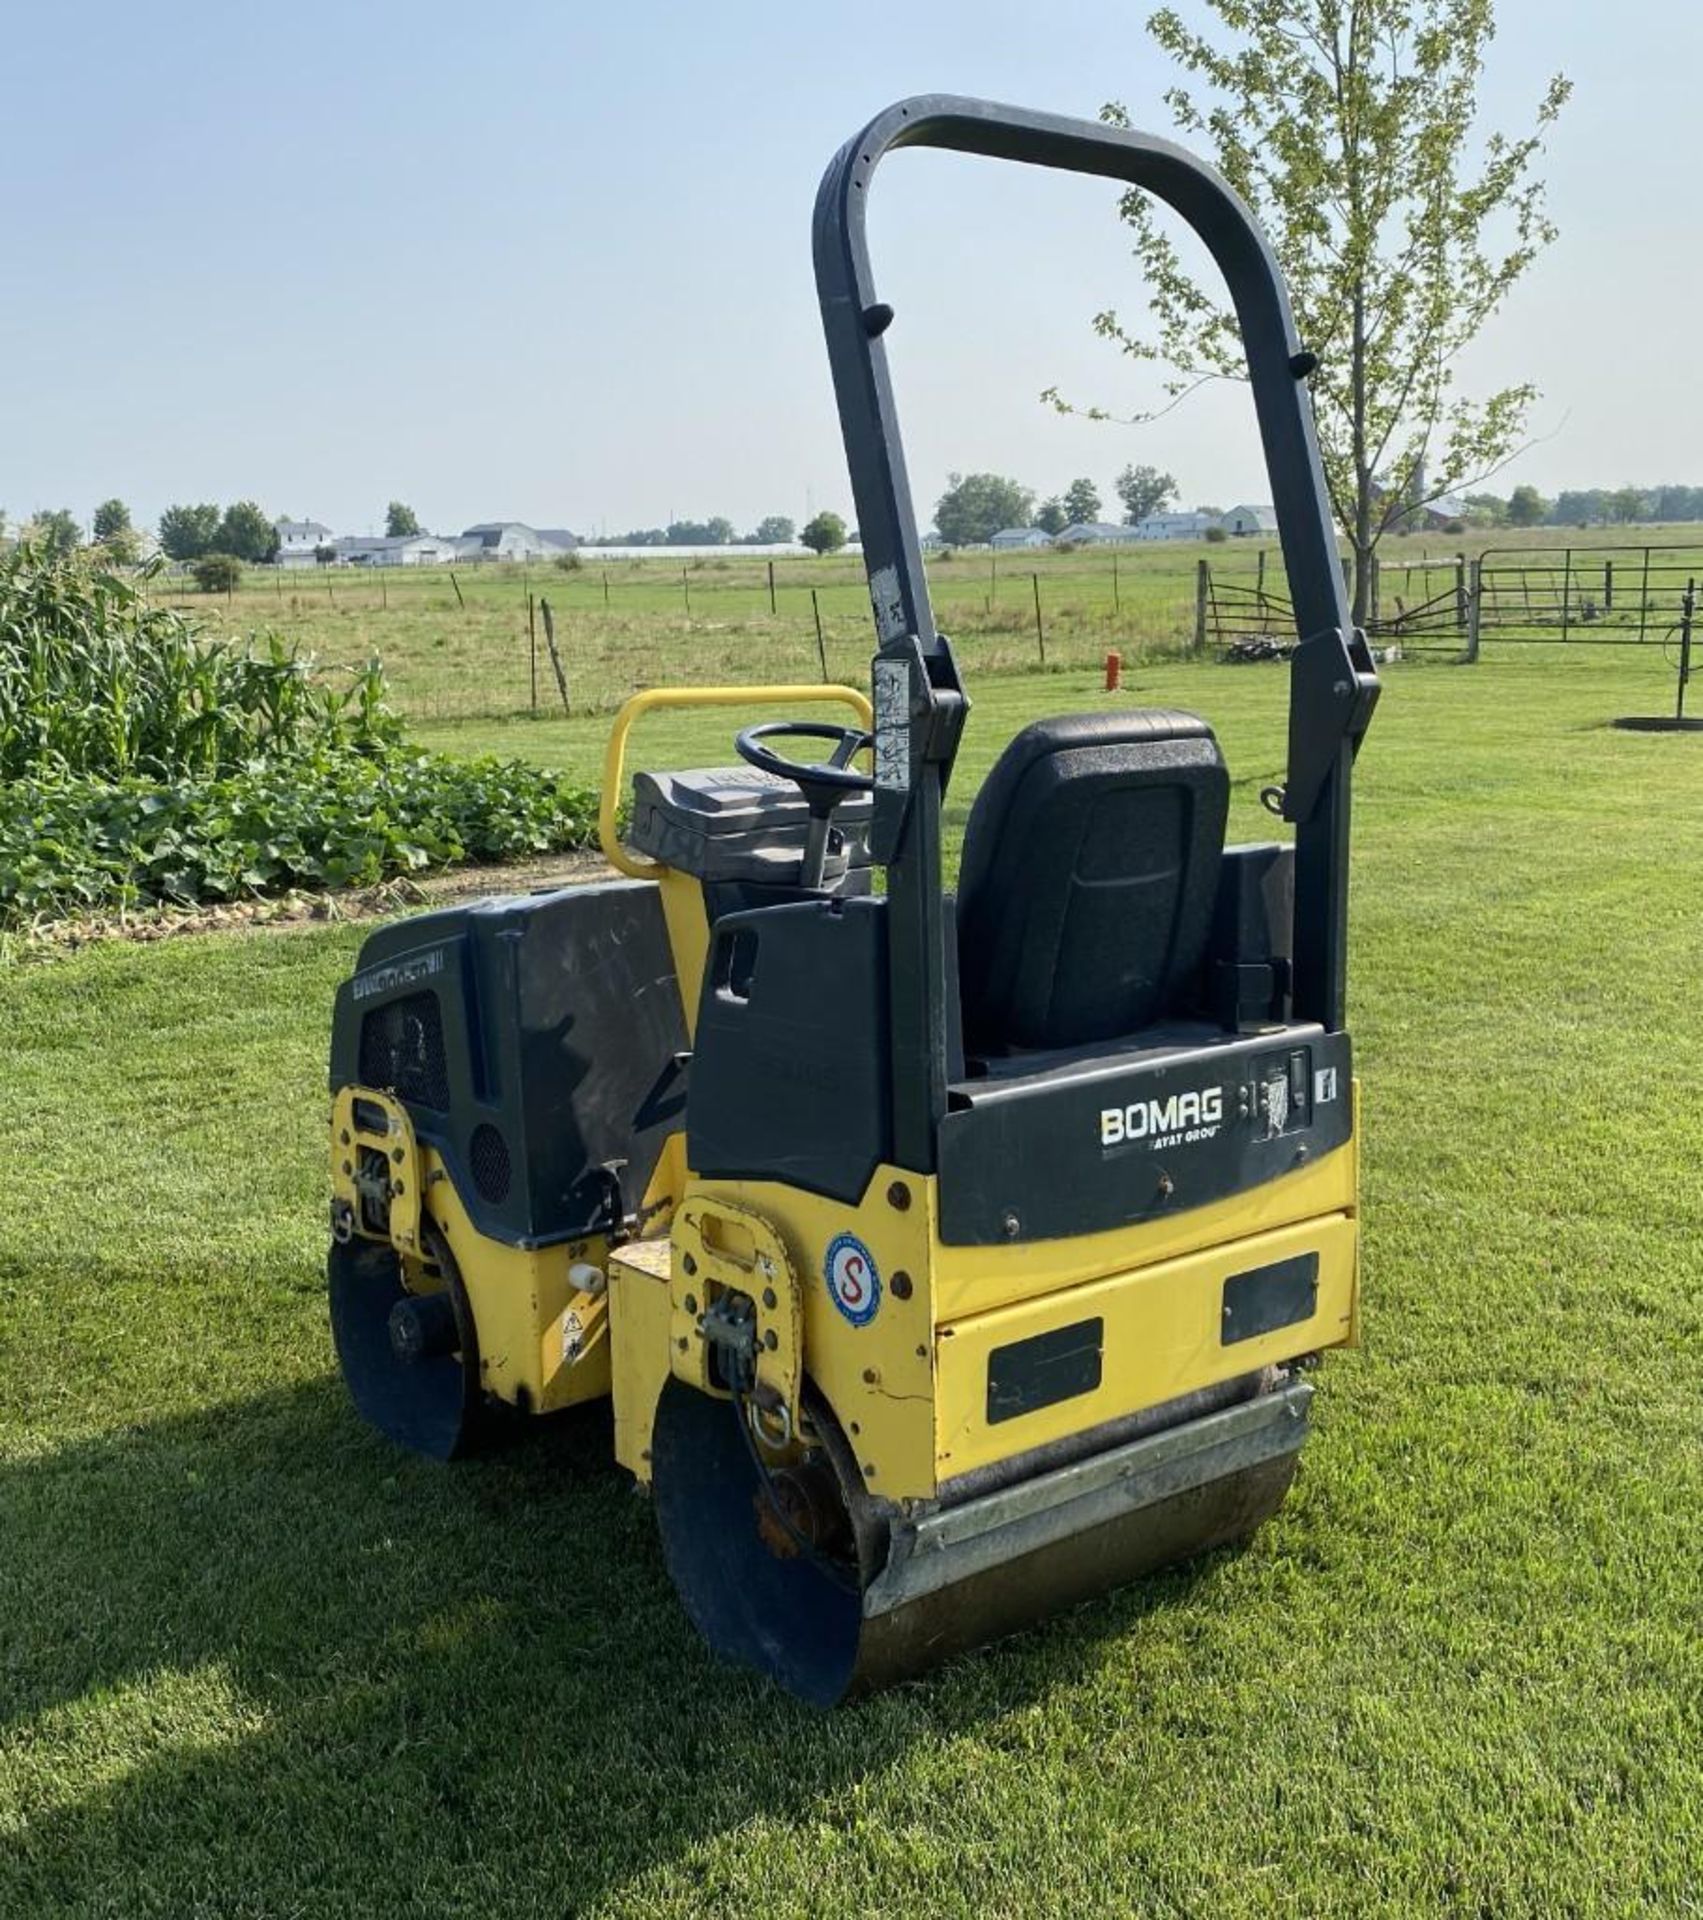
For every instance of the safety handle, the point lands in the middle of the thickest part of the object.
(638, 866)
(855, 320)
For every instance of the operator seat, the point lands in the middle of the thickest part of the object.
(1090, 868)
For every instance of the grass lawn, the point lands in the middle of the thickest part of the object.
(255, 1662)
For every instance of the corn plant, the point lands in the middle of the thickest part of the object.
(94, 680)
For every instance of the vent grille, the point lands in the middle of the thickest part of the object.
(489, 1153)
(402, 1051)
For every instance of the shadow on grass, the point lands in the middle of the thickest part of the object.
(435, 1689)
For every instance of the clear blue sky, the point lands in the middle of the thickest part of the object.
(552, 262)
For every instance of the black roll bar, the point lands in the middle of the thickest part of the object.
(918, 695)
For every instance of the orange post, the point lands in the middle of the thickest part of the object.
(1114, 671)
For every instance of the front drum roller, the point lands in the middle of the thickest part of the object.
(798, 1573)
(410, 1359)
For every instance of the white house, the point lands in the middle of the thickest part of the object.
(1176, 526)
(1020, 537)
(1097, 533)
(300, 540)
(502, 540)
(1243, 521)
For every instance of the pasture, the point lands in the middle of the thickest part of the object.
(463, 648)
(254, 1662)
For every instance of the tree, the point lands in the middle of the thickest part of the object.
(1486, 510)
(111, 516)
(188, 532)
(1082, 502)
(775, 530)
(400, 522)
(218, 573)
(699, 533)
(56, 532)
(976, 505)
(1051, 516)
(1526, 507)
(1144, 490)
(1400, 226)
(1626, 504)
(1586, 507)
(247, 533)
(826, 533)
(114, 533)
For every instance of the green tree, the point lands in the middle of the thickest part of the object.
(976, 505)
(400, 522)
(826, 533)
(716, 532)
(247, 533)
(1081, 502)
(1144, 490)
(1626, 504)
(1401, 225)
(56, 532)
(1051, 516)
(188, 532)
(1527, 507)
(775, 530)
(218, 573)
(113, 531)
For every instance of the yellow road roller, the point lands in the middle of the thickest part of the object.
(947, 1257)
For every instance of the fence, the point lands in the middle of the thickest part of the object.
(465, 644)
(1455, 604)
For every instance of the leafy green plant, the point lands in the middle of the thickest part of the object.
(342, 818)
(141, 761)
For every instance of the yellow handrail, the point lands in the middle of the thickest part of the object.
(615, 755)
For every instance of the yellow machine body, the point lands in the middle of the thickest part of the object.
(894, 1390)
(910, 1388)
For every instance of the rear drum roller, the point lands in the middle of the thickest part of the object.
(794, 1570)
(410, 1360)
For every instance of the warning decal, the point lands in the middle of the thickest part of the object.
(892, 725)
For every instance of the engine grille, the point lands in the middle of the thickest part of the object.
(489, 1153)
(402, 1051)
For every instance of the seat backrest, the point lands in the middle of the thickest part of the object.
(1089, 872)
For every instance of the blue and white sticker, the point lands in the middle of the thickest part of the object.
(854, 1282)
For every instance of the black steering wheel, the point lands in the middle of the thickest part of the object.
(824, 783)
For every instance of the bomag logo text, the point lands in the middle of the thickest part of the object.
(1188, 1116)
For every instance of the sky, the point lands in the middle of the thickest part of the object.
(552, 263)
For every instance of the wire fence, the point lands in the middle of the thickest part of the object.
(507, 639)
(489, 642)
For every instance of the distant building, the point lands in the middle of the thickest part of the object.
(1021, 537)
(1176, 526)
(502, 540)
(398, 550)
(559, 538)
(1096, 533)
(299, 541)
(1437, 514)
(1243, 521)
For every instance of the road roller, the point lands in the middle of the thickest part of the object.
(949, 1256)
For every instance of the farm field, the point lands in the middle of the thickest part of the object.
(462, 649)
(255, 1662)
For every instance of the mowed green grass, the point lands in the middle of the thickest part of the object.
(255, 1662)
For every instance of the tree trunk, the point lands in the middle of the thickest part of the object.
(1363, 552)
(1361, 538)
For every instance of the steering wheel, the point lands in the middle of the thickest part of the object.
(823, 783)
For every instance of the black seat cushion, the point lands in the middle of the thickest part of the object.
(1089, 872)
